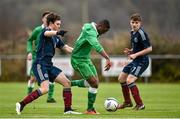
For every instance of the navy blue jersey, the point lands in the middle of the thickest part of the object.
(139, 42)
(46, 47)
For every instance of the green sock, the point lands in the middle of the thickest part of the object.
(91, 100)
(30, 89)
(51, 90)
(30, 86)
(79, 83)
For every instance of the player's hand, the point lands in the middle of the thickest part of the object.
(108, 65)
(61, 32)
(29, 56)
(127, 51)
(132, 56)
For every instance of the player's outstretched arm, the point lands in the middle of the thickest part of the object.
(67, 49)
(52, 33)
(108, 62)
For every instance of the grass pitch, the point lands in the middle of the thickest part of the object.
(161, 101)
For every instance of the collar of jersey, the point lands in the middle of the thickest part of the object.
(94, 26)
(42, 26)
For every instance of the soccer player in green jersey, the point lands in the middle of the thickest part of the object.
(82, 63)
(32, 44)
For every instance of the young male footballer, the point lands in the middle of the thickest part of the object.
(81, 61)
(43, 68)
(32, 44)
(138, 53)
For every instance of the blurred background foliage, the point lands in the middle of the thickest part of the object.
(160, 21)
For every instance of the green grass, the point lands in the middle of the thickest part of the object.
(161, 100)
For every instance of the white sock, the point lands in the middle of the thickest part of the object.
(30, 84)
(92, 90)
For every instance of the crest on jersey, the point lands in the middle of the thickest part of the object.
(46, 75)
(135, 40)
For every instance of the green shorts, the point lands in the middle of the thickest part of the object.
(85, 68)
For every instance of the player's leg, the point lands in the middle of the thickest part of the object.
(125, 90)
(88, 72)
(31, 83)
(137, 70)
(32, 96)
(81, 82)
(92, 94)
(42, 78)
(60, 78)
(135, 92)
(32, 79)
(50, 98)
(93, 81)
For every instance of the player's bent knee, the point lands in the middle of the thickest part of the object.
(131, 79)
(121, 80)
(44, 90)
(67, 84)
(44, 87)
(94, 84)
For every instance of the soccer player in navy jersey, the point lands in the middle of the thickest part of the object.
(43, 68)
(140, 47)
(32, 45)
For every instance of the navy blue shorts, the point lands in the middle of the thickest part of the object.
(43, 72)
(136, 67)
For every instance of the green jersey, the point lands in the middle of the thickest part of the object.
(32, 42)
(87, 41)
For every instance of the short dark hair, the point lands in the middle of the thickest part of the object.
(45, 13)
(52, 17)
(106, 23)
(136, 17)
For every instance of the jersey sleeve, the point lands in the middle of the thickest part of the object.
(95, 43)
(91, 37)
(30, 40)
(145, 39)
(60, 43)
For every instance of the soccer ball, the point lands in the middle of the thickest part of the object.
(111, 104)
